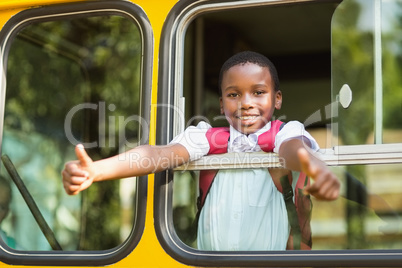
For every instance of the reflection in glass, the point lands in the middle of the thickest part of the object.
(5, 200)
(366, 56)
(185, 193)
(72, 81)
(366, 216)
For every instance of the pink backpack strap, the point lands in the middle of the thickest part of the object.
(206, 179)
(267, 139)
(218, 139)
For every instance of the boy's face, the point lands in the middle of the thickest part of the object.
(248, 97)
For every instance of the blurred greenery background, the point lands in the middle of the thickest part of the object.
(52, 67)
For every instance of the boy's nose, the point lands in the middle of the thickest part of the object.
(245, 102)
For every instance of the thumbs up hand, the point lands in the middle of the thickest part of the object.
(326, 185)
(78, 175)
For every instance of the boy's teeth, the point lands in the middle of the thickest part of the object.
(246, 117)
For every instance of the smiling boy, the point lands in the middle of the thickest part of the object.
(243, 210)
(248, 99)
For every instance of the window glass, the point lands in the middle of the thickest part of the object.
(366, 216)
(71, 81)
(366, 66)
(185, 206)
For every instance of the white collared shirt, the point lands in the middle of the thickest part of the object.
(243, 210)
(239, 142)
(197, 145)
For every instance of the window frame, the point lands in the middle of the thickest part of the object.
(77, 10)
(170, 79)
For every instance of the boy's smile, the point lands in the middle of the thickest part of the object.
(248, 97)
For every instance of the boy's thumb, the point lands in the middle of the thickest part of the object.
(82, 155)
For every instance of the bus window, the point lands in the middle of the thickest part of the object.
(304, 40)
(304, 68)
(366, 65)
(366, 216)
(74, 79)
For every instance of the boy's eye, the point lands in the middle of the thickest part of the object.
(259, 92)
(233, 95)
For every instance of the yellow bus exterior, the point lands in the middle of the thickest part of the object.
(307, 50)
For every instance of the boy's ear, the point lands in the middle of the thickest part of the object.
(278, 100)
(221, 104)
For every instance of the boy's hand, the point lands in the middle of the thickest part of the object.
(326, 185)
(78, 175)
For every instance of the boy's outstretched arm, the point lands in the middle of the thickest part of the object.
(298, 157)
(78, 175)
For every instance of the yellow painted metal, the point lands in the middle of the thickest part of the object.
(17, 4)
(149, 253)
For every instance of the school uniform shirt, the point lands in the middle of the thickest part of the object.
(243, 210)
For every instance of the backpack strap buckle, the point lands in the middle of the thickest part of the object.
(288, 195)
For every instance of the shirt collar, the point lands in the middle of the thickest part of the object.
(252, 138)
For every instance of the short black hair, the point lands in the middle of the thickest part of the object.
(244, 57)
